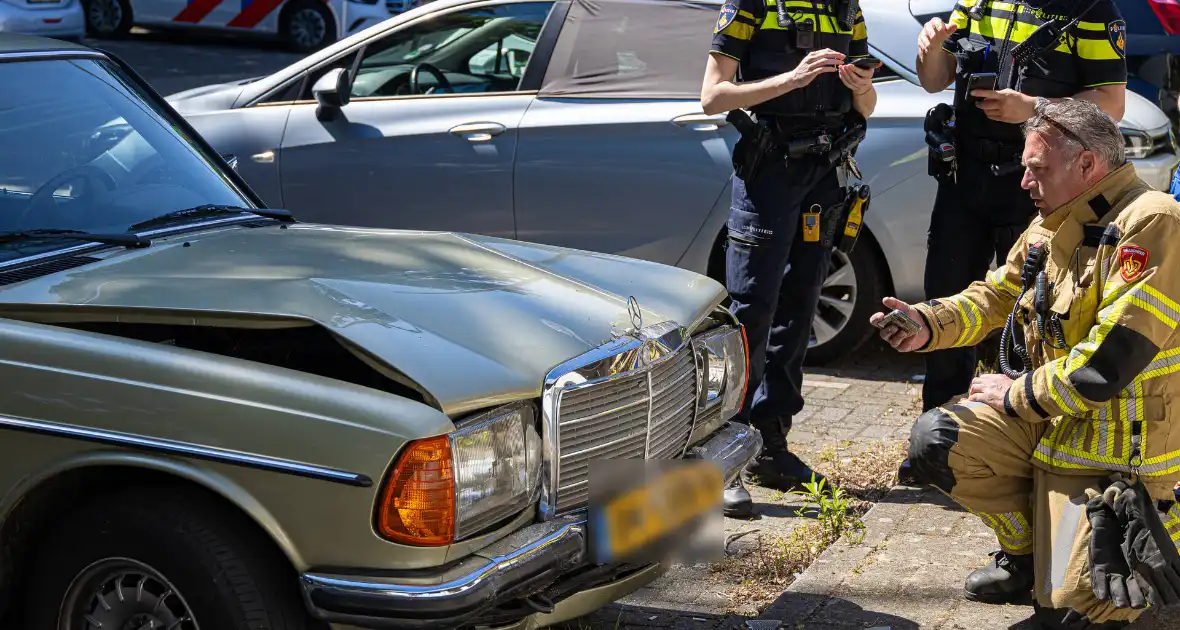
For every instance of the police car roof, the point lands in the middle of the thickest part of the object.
(13, 44)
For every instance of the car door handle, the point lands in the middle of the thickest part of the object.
(701, 122)
(478, 132)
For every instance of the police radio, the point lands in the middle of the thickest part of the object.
(940, 137)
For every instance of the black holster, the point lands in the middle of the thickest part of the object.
(842, 223)
(939, 126)
(754, 149)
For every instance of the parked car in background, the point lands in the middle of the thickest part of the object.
(60, 19)
(598, 143)
(304, 25)
(1153, 52)
(219, 417)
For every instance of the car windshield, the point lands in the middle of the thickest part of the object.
(82, 148)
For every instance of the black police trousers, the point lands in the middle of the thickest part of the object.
(774, 278)
(975, 221)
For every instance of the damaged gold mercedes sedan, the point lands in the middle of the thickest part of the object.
(217, 417)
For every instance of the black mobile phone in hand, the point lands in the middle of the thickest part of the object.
(866, 63)
(980, 81)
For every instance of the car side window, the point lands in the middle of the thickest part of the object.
(471, 51)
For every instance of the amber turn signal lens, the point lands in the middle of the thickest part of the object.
(418, 504)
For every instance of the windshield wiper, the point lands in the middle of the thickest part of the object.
(196, 212)
(130, 240)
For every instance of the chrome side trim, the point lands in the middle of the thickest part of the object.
(209, 453)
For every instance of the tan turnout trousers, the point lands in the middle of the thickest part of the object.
(1029, 508)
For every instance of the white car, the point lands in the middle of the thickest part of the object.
(59, 19)
(304, 25)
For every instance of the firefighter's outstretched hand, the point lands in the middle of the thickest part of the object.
(894, 335)
(989, 389)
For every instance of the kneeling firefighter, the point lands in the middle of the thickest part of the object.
(791, 63)
(1090, 355)
(1002, 58)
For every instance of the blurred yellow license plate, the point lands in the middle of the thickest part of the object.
(642, 507)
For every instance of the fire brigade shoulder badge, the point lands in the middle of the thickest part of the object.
(1117, 31)
(1132, 261)
(728, 12)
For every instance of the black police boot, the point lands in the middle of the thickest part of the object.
(1067, 619)
(736, 500)
(1008, 578)
(776, 467)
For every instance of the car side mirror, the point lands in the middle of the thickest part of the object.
(331, 93)
(230, 159)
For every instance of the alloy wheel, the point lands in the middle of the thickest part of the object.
(308, 28)
(124, 594)
(104, 15)
(836, 301)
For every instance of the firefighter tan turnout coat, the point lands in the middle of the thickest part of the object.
(1105, 357)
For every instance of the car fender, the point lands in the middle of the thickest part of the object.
(219, 484)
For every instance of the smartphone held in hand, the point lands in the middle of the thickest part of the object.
(897, 318)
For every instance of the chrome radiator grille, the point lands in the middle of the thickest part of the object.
(643, 415)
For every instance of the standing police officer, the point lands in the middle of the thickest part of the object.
(785, 61)
(1037, 49)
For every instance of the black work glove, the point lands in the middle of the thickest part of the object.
(1074, 620)
(1109, 572)
(1147, 547)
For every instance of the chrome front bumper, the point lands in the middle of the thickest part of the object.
(525, 562)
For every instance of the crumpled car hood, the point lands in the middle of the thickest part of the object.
(475, 321)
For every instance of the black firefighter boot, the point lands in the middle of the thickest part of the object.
(1007, 579)
(776, 467)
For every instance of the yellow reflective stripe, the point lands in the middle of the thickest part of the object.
(860, 31)
(1059, 388)
(997, 28)
(1105, 435)
(828, 25)
(1012, 529)
(970, 318)
(1092, 50)
(747, 15)
(824, 22)
(1065, 457)
(1160, 305)
(1172, 522)
(1163, 363)
(739, 30)
(958, 18)
(978, 324)
(1091, 26)
(1108, 318)
(1000, 281)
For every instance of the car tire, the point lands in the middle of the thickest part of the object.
(851, 293)
(107, 19)
(179, 553)
(306, 26)
(860, 296)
